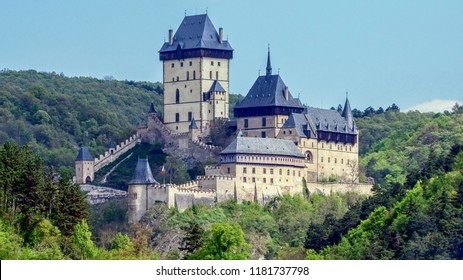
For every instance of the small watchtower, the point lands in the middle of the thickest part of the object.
(84, 164)
(139, 191)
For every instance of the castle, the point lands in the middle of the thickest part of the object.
(279, 142)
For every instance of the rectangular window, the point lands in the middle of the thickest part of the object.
(218, 63)
(228, 170)
(264, 122)
(190, 116)
(287, 172)
(322, 159)
(194, 75)
(265, 171)
(173, 65)
(265, 180)
(217, 75)
(253, 171)
(281, 171)
(263, 134)
(253, 179)
(246, 123)
(244, 170)
(191, 63)
(177, 117)
(271, 171)
(135, 196)
(328, 160)
(244, 179)
(210, 75)
(271, 180)
(187, 75)
(212, 63)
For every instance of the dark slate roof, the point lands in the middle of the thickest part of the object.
(142, 173)
(152, 110)
(268, 91)
(84, 155)
(262, 146)
(300, 123)
(328, 120)
(196, 32)
(193, 124)
(216, 87)
(347, 114)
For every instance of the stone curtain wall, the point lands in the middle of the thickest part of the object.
(120, 149)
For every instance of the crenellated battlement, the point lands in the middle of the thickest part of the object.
(207, 146)
(186, 185)
(195, 191)
(214, 177)
(114, 153)
(212, 167)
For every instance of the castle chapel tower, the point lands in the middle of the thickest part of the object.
(196, 67)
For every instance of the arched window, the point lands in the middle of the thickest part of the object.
(308, 156)
(177, 96)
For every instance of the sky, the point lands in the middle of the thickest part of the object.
(381, 52)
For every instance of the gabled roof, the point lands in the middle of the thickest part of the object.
(300, 123)
(196, 32)
(268, 91)
(142, 173)
(84, 155)
(216, 87)
(262, 146)
(329, 120)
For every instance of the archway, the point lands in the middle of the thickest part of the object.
(308, 156)
(88, 180)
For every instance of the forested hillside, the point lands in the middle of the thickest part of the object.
(55, 114)
(415, 212)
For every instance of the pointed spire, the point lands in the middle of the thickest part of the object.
(152, 110)
(193, 124)
(347, 114)
(269, 65)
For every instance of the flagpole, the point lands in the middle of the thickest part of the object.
(164, 175)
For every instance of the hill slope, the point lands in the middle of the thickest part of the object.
(55, 114)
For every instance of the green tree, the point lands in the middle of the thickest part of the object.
(192, 240)
(223, 242)
(71, 206)
(82, 239)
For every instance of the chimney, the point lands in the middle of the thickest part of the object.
(286, 93)
(171, 37)
(220, 35)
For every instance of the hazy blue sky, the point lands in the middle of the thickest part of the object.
(382, 52)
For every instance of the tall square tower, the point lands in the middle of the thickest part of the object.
(196, 67)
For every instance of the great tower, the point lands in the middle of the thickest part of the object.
(196, 67)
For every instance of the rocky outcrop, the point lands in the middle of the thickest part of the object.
(97, 194)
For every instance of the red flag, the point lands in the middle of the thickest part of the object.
(163, 170)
